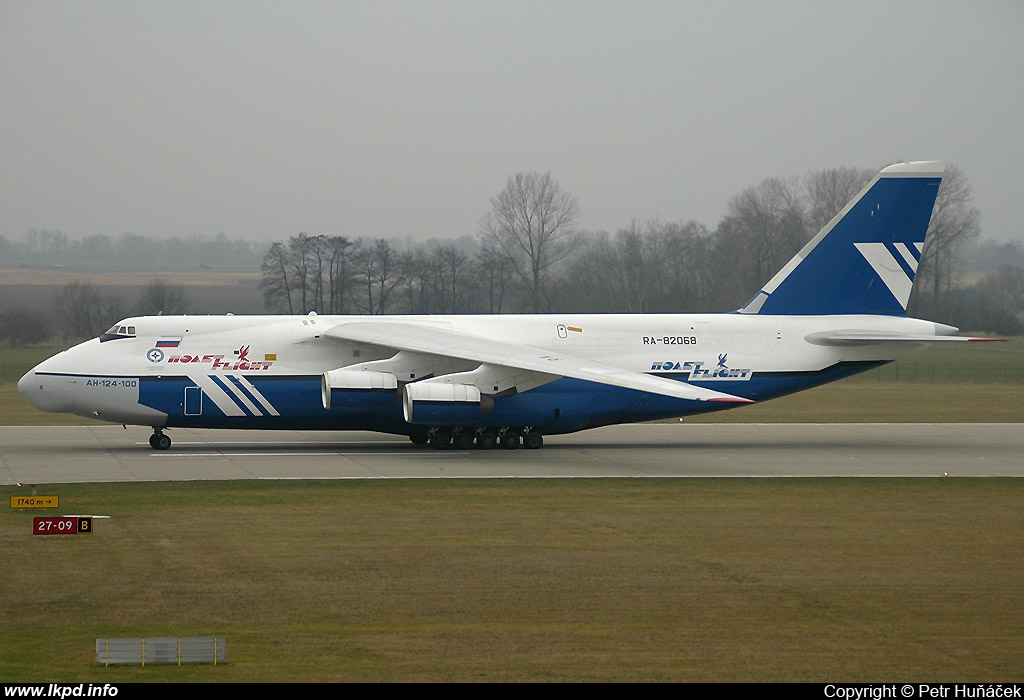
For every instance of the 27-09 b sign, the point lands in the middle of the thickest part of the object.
(61, 526)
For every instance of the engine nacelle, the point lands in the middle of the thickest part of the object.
(355, 380)
(440, 403)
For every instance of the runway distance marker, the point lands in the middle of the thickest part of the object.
(35, 501)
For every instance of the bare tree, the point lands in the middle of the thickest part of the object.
(532, 223)
(639, 277)
(955, 224)
(275, 279)
(53, 244)
(83, 311)
(340, 271)
(682, 251)
(451, 263)
(496, 277)
(592, 277)
(379, 274)
(420, 282)
(620, 273)
(301, 259)
(21, 326)
(162, 297)
(763, 228)
(828, 191)
(319, 253)
(309, 273)
(1002, 288)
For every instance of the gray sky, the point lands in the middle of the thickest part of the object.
(394, 119)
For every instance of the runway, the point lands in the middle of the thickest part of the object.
(48, 455)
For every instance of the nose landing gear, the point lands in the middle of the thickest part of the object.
(159, 441)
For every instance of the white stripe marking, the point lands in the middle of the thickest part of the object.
(903, 250)
(259, 397)
(888, 269)
(241, 397)
(221, 399)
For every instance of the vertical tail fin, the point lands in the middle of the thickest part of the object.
(864, 260)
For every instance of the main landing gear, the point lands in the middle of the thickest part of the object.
(481, 438)
(159, 441)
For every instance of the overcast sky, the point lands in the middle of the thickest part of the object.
(394, 119)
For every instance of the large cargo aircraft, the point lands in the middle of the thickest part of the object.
(837, 308)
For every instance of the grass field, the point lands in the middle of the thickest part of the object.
(604, 580)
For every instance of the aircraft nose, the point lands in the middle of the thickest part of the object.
(46, 393)
(26, 385)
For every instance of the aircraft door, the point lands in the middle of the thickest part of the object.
(193, 401)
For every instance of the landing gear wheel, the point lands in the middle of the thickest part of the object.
(441, 440)
(463, 440)
(419, 439)
(159, 441)
(486, 440)
(533, 440)
(509, 441)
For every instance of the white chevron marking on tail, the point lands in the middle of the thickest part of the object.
(903, 250)
(888, 269)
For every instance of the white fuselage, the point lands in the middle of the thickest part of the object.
(230, 363)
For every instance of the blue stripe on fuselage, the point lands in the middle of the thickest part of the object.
(562, 406)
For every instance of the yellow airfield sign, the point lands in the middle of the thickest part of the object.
(35, 501)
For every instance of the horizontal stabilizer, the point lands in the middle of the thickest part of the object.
(853, 337)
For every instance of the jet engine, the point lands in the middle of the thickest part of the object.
(355, 380)
(441, 403)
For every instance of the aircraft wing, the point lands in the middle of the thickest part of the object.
(437, 341)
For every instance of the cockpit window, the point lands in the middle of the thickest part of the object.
(118, 332)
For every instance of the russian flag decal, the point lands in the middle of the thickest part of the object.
(168, 342)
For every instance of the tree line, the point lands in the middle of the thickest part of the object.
(82, 310)
(529, 256)
(42, 247)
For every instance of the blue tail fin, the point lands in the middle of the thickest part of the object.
(864, 260)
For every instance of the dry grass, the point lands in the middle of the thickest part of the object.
(875, 402)
(622, 580)
(48, 276)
